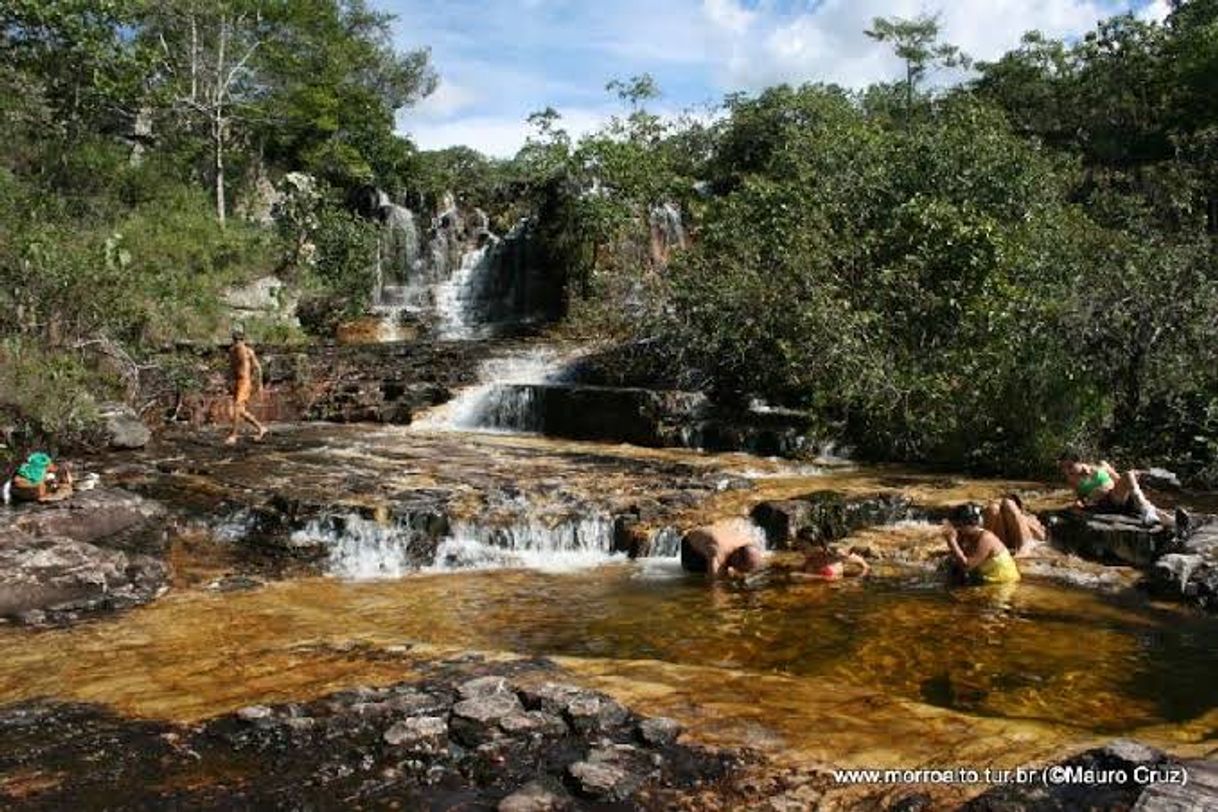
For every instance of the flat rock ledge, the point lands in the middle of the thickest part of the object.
(446, 742)
(827, 516)
(98, 552)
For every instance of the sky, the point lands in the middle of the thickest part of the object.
(500, 60)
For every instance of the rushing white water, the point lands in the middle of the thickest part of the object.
(564, 546)
(456, 295)
(501, 399)
(362, 549)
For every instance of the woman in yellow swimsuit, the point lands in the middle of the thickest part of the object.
(1102, 488)
(980, 554)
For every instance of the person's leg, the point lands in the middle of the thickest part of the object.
(1022, 539)
(253, 421)
(1129, 493)
(991, 519)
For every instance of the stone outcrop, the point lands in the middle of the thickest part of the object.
(98, 551)
(1110, 537)
(381, 383)
(121, 428)
(656, 418)
(411, 746)
(826, 516)
(1190, 571)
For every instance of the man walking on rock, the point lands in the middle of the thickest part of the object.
(244, 364)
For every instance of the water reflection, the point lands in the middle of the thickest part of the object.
(1037, 652)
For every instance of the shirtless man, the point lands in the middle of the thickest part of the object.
(723, 548)
(244, 363)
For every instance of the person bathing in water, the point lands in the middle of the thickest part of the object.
(977, 553)
(721, 549)
(1100, 487)
(244, 364)
(831, 564)
(1020, 531)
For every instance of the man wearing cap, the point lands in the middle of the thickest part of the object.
(244, 364)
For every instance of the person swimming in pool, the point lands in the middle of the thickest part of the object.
(1101, 487)
(724, 548)
(977, 553)
(830, 563)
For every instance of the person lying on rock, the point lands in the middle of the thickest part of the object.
(1101, 488)
(39, 479)
(244, 364)
(1019, 530)
(830, 563)
(721, 549)
(979, 555)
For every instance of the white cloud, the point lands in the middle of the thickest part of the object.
(448, 99)
(827, 43)
(727, 15)
(1156, 11)
(497, 136)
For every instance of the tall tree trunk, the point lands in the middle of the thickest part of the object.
(218, 146)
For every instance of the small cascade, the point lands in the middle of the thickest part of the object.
(504, 399)
(360, 549)
(456, 297)
(567, 545)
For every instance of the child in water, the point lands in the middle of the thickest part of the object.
(831, 564)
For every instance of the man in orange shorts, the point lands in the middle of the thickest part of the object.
(244, 364)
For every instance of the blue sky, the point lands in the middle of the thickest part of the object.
(500, 60)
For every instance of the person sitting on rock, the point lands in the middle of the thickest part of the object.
(723, 548)
(39, 479)
(979, 555)
(823, 561)
(1101, 488)
(1021, 531)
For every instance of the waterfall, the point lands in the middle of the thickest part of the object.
(457, 296)
(503, 399)
(358, 548)
(532, 543)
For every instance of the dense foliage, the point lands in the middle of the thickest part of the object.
(134, 132)
(976, 276)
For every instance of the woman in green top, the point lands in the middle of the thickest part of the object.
(1100, 487)
(978, 553)
(37, 480)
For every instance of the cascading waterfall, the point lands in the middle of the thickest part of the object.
(503, 399)
(562, 546)
(361, 549)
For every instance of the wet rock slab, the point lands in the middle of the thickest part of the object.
(1111, 537)
(98, 551)
(333, 753)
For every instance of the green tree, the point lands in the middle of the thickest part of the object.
(916, 43)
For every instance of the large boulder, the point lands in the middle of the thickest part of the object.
(826, 516)
(122, 428)
(1190, 572)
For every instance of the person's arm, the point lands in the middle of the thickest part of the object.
(953, 544)
(855, 558)
(257, 369)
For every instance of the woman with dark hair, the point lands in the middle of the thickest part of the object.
(1100, 487)
(978, 553)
